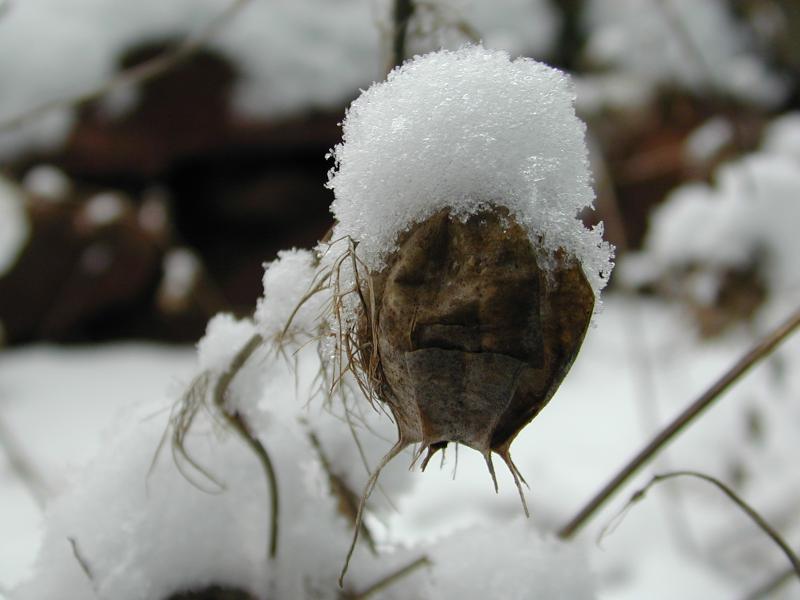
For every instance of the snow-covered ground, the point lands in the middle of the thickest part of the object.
(640, 365)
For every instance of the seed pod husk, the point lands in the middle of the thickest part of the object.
(476, 329)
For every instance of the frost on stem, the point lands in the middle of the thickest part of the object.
(468, 281)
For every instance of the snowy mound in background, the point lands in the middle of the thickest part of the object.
(747, 218)
(292, 56)
(466, 129)
(698, 46)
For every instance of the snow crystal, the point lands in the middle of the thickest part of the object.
(225, 336)
(48, 182)
(466, 129)
(14, 225)
(287, 281)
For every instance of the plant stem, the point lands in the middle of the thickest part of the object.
(236, 420)
(389, 579)
(762, 349)
(403, 10)
(757, 518)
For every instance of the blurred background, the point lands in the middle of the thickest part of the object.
(154, 155)
(141, 209)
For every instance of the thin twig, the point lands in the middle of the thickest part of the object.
(403, 11)
(348, 500)
(84, 564)
(767, 345)
(748, 510)
(388, 580)
(137, 74)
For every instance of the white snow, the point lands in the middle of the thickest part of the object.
(288, 280)
(48, 182)
(147, 533)
(104, 208)
(225, 336)
(706, 141)
(693, 45)
(782, 136)
(746, 218)
(292, 56)
(14, 224)
(466, 129)
(150, 540)
(512, 561)
(181, 268)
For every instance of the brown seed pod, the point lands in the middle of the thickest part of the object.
(467, 333)
(475, 329)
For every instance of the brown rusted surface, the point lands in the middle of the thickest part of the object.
(476, 330)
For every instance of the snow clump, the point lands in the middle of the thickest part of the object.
(467, 129)
(287, 282)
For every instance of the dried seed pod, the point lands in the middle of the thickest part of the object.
(475, 329)
(467, 333)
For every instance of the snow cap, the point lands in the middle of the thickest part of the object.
(466, 129)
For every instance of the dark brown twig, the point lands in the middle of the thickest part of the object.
(748, 510)
(137, 74)
(402, 13)
(762, 349)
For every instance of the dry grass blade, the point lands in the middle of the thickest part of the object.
(238, 423)
(138, 74)
(396, 449)
(185, 413)
(734, 497)
(387, 581)
(758, 352)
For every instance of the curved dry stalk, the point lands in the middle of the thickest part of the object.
(758, 352)
(395, 450)
(184, 414)
(137, 74)
(238, 423)
(385, 582)
(734, 497)
(348, 501)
